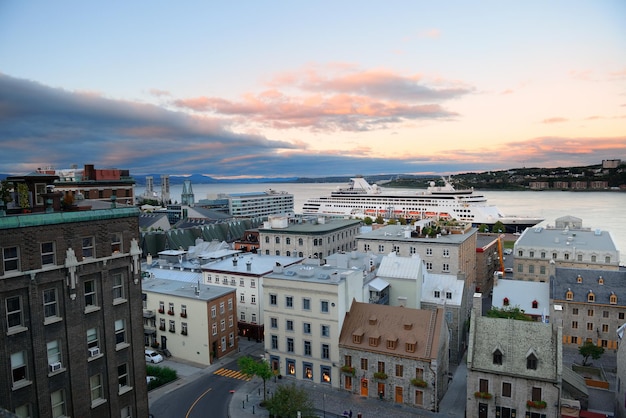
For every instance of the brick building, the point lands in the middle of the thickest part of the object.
(71, 338)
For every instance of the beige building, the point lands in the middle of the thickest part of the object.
(307, 237)
(304, 310)
(395, 353)
(566, 244)
(513, 367)
(191, 321)
(450, 252)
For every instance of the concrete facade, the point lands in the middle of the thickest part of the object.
(304, 312)
(620, 392)
(71, 339)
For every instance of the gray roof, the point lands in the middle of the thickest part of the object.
(398, 232)
(443, 283)
(259, 264)
(185, 290)
(566, 239)
(396, 267)
(312, 274)
(522, 293)
(313, 228)
(567, 278)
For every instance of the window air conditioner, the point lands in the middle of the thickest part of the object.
(55, 366)
(94, 351)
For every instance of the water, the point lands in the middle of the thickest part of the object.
(603, 210)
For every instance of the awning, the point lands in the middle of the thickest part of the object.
(378, 284)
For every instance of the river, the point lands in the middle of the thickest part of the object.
(598, 210)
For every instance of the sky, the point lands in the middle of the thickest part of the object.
(311, 89)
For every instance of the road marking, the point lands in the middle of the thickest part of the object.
(233, 374)
(196, 401)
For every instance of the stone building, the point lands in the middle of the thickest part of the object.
(395, 353)
(566, 244)
(513, 367)
(71, 342)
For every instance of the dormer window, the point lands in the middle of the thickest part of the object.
(410, 347)
(569, 295)
(497, 357)
(392, 343)
(505, 301)
(591, 297)
(437, 294)
(373, 341)
(613, 299)
(535, 304)
(531, 362)
(448, 295)
(357, 336)
(600, 280)
(579, 279)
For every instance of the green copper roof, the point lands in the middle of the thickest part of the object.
(39, 219)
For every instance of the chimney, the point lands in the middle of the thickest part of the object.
(249, 265)
(477, 304)
(235, 261)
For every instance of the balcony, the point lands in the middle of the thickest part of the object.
(147, 314)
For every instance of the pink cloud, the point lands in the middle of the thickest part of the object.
(554, 120)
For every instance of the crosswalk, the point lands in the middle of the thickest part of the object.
(233, 374)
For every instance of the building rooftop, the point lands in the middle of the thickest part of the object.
(403, 233)
(392, 323)
(52, 218)
(567, 239)
(443, 283)
(315, 227)
(250, 264)
(184, 289)
(522, 293)
(396, 267)
(603, 283)
(312, 273)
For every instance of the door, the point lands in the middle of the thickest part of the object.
(482, 410)
(398, 394)
(364, 391)
(381, 390)
(163, 342)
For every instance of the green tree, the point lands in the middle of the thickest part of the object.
(379, 220)
(509, 312)
(589, 349)
(251, 367)
(5, 191)
(498, 227)
(392, 222)
(402, 221)
(368, 221)
(483, 228)
(288, 400)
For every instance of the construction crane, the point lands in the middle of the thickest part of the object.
(500, 254)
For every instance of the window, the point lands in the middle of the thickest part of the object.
(531, 362)
(11, 258)
(241, 282)
(591, 297)
(95, 385)
(607, 259)
(23, 411)
(273, 298)
(230, 304)
(381, 248)
(19, 371)
(325, 371)
(231, 322)
(126, 412)
(483, 385)
(535, 304)
(325, 331)
(308, 371)
(531, 269)
(531, 254)
(300, 241)
(589, 312)
(118, 287)
(253, 319)
(429, 265)
(288, 241)
(381, 367)
(574, 311)
(242, 317)
(574, 340)
(419, 397)
(497, 357)
(605, 327)
(289, 301)
(172, 326)
(589, 326)
(50, 304)
(116, 243)
(448, 295)
(274, 342)
(92, 338)
(122, 376)
(253, 299)
(57, 400)
(242, 298)
(605, 314)
(214, 328)
(536, 394)
(183, 328)
(274, 323)
(289, 325)
(183, 311)
(347, 360)
(88, 247)
(364, 364)
(291, 367)
(120, 331)
(14, 312)
(399, 370)
(222, 307)
(620, 315)
(54, 352)
(579, 257)
(613, 299)
(569, 295)
(324, 306)
(306, 304)
(307, 348)
(446, 267)
(306, 328)
(277, 240)
(574, 324)
(506, 390)
(542, 269)
(429, 251)
(290, 345)
(446, 252)
(520, 268)
(593, 258)
(437, 294)
(410, 347)
(162, 324)
(252, 283)
(223, 325)
(325, 351)
(91, 297)
(213, 311)
(48, 256)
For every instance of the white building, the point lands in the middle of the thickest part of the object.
(304, 311)
(405, 276)
(531, 297)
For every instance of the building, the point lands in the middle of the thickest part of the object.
(256, 204)
(244, 274)
(487, 261)
(567, 244)
(620, 393)
(446, 292)
(71, 342)
(395, 353)
(190, 320)
(589, 304)
(304, 311)
(95, 184)
(531, 297)
(513, 367)
(403, 277)
(451, 251)
(315, 238)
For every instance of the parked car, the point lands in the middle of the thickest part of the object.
(508, 251)
(150, 379)
(508, 270)
(152, 356)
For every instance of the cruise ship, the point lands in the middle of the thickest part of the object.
(438, 201)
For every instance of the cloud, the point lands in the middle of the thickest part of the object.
(336, 98)
(554, 120)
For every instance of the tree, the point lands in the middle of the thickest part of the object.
(509, 312)
(483, 228)
(498, 227)
(251, 367)
(288, 400)
(392, 222)
(589, 349)
(367, 220)
(379, 220)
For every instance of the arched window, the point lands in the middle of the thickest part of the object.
(531, 362)
(535, 304)
(591, 297)
(569, 295)
(600, 280)
(579, 279)
(497, 357)
(613, 299)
